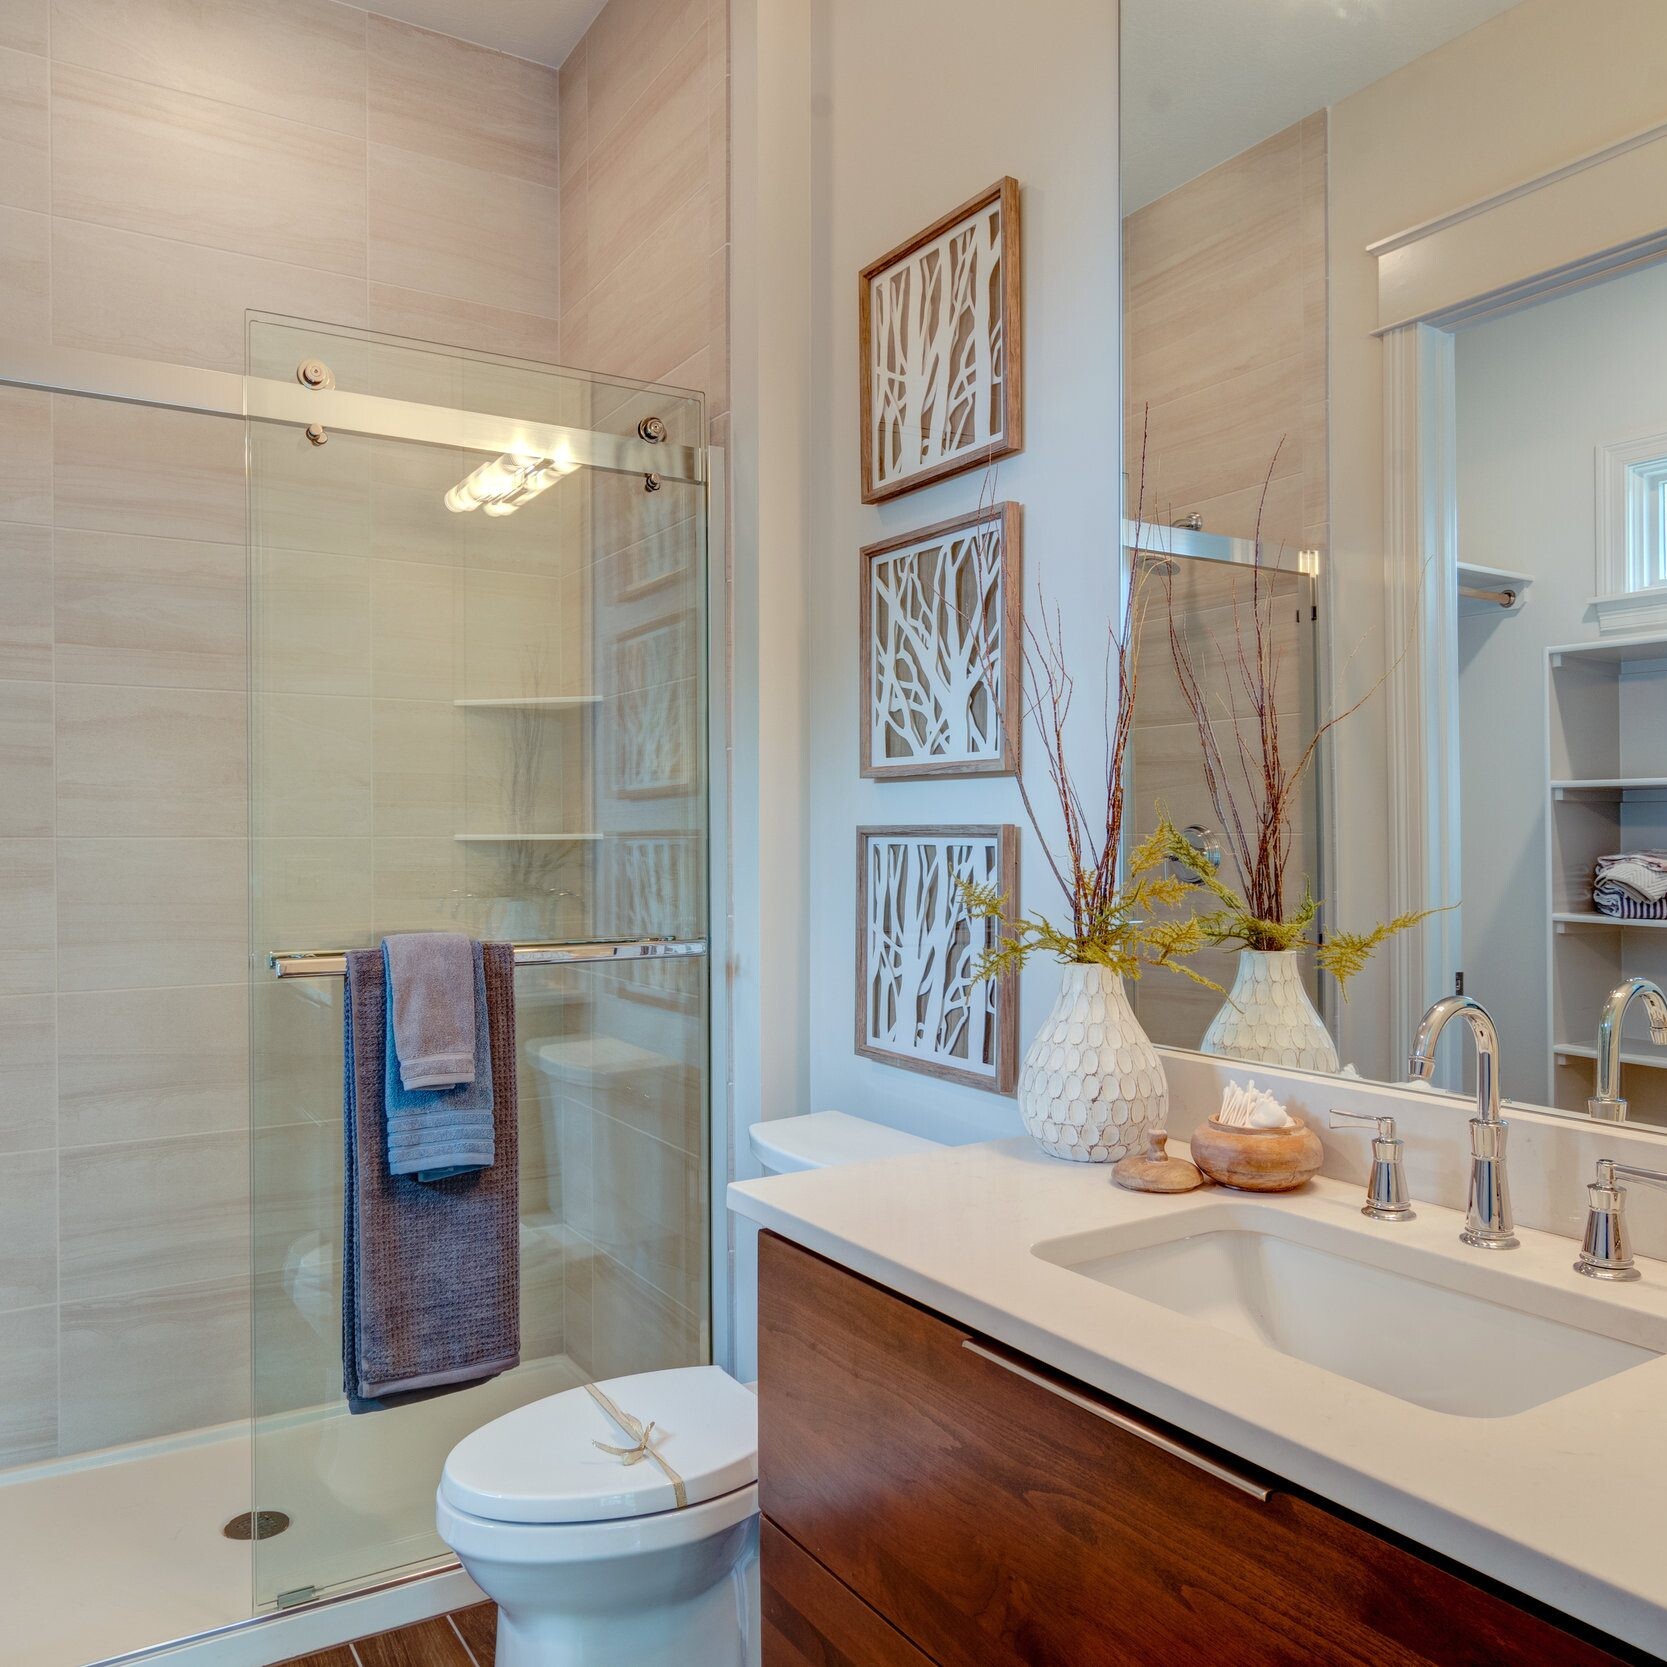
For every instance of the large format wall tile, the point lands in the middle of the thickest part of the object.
(149, 611)
(145, 912)
(635, 1328)
(25, 759)
(28, 1229)
(28, 1385)
(455, 230)
(641, 170)
(312, 892)
(140, 469)
(28, 1074)
(25, 455)
(654, 313)
(151, 762)
(628, 47)
(573, 108)
(144, 1366)
(463, 103)
(146, 1064)
(303, 60)
(146, 1214)
(312, 627)
(312, 764)
(25, 180)
(23, 25)
(171, 164)
(465, 324)
(156, 298)
(26, 584)
(26, 272)
(27, 957)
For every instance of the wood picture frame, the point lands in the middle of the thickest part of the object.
(938, 688)
(967, 267)
(655, 735)
(916, 1006)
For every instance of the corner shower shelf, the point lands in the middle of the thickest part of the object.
(525, 838)
(535, 702)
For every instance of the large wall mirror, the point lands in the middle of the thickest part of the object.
(1395, 413)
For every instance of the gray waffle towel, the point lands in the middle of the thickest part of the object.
(430, 1271)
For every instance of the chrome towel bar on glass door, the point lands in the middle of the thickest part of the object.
(332, 963)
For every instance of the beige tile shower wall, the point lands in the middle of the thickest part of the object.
(644, 274)
(1225, 338)
(165, 165)
(1225, 387)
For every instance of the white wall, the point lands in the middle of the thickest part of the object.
(916, 108)
(1537, 392)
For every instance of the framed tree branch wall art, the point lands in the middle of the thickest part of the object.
(940, 334)
(918, 1003)
(942, 649)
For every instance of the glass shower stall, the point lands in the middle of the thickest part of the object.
(476, 685)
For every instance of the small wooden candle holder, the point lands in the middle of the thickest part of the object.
(1257, 1160)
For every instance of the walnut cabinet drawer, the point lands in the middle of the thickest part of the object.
(993, 1513)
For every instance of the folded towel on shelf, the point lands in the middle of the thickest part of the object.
(430, 1273)
(1631, 885)
(436, 1132)
(431, 982)
(1622, 905)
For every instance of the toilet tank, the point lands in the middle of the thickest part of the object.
(822, 1139)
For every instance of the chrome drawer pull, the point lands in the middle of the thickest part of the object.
(1121, 1421)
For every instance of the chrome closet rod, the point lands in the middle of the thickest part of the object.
(332, 963)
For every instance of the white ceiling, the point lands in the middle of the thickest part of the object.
(1206, 79)
(543, 30)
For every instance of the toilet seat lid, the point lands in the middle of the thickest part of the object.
(538, 1463)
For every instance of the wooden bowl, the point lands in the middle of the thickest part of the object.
(1257, 1160)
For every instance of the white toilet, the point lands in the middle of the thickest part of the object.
(590, 1561)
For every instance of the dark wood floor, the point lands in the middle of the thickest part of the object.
(466, 1638)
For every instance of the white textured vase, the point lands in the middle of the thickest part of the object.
(1269, 1017)
(1092, 1082)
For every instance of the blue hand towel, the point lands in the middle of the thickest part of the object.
(434, 1133)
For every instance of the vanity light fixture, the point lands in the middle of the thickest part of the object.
(502, 485)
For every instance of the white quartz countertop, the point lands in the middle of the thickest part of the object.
(1565, 1502)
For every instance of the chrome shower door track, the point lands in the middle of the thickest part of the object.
(75, 370)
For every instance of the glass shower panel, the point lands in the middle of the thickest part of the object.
(489, 723)
(1166, 764)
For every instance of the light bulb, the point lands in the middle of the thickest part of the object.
(503, 484)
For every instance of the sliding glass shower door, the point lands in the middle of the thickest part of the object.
(478, 690)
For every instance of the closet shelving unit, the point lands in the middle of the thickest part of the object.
(1606, 790)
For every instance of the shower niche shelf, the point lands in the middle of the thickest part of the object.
(533, 703)
(526, 838)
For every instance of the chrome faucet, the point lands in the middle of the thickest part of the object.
(1607, 1105)
(1488, 1224)
(1606, 1250)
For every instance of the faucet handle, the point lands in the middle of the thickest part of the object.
(1606, 1248)
(1386, 1188)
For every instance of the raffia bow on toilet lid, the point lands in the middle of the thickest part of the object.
(540, 1462)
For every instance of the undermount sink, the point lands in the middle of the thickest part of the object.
(1402, 1332)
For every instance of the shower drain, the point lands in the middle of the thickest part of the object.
(256, 1525)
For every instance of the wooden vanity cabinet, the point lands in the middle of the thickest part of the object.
(931, 1499)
